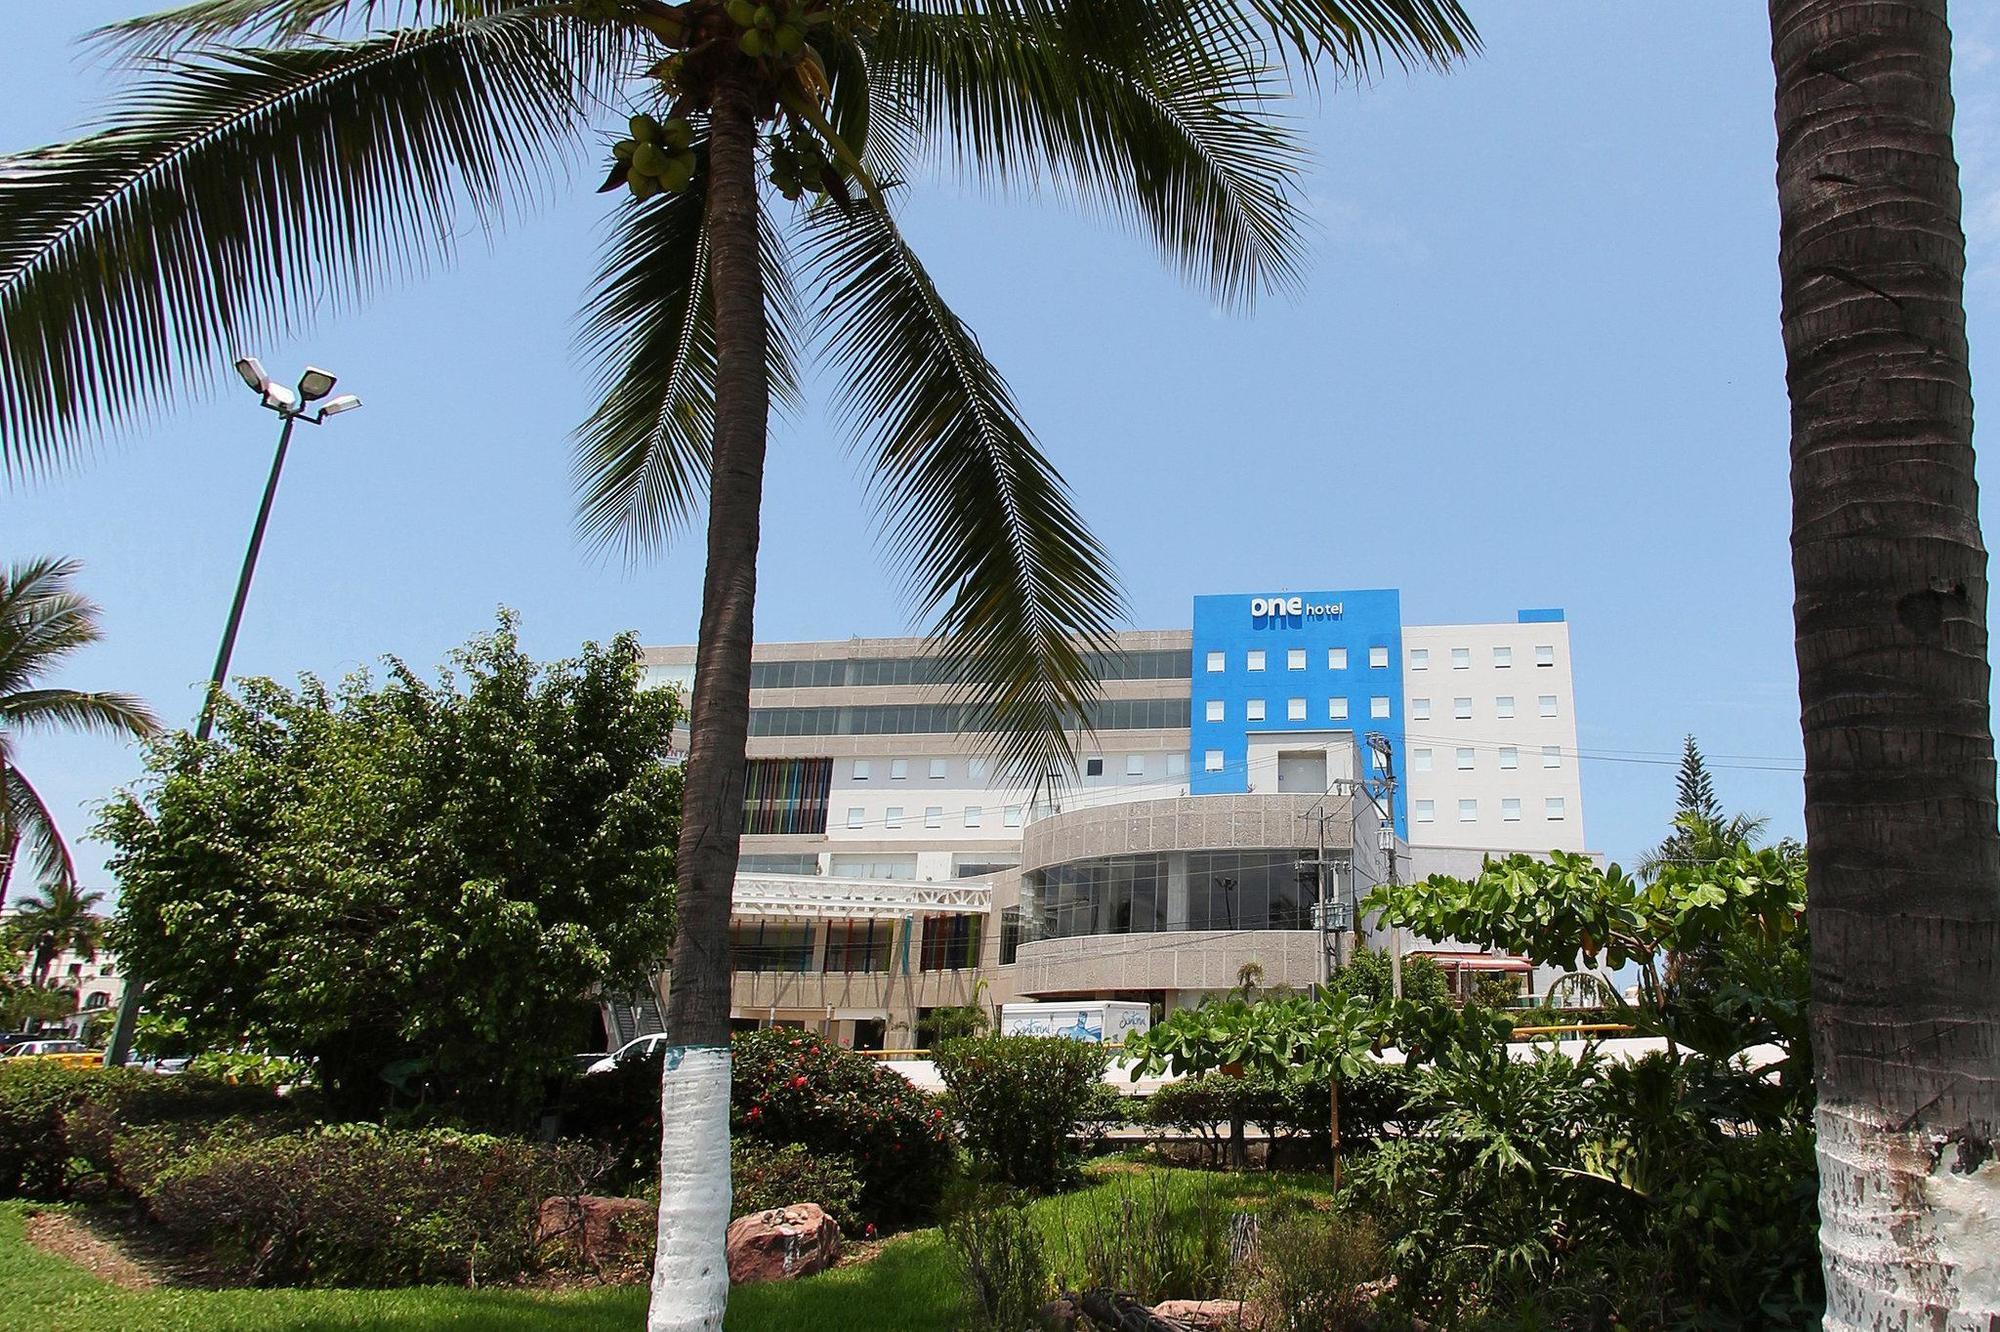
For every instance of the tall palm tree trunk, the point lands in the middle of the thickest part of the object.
(1890, 618)
(690, 1276)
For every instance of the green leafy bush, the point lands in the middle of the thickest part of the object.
(359, 1205)
(1018, 1100)
(1197, 1109)
(762, 1176)
(792, 1086)
(1002, 1261)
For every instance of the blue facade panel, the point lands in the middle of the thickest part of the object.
(1545, 615)
(1322, 626)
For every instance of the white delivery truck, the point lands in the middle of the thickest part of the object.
(1098, 1021)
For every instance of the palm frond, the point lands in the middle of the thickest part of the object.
(25, 821)
(972, 509)
(277, 22)
(642, 458)
(233, 193)
(77, 710)
(43, 619)
(1124, 105)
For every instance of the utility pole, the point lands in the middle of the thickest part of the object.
(1380, 744)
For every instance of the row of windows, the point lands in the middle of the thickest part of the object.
(1425, 811)
(939, 769)
(1149, 665)
(974, 815)
(1503, 707)
(1295, 709)
(1195, 890)
(1116, 714)
(1461, 658)
(1510, 757)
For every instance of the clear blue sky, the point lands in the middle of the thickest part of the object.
(1536, 363)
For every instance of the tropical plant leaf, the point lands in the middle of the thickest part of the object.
(280, 22)
(642, 458)
(972, 509)
(25, 821)
(77, 710)
(232, 192)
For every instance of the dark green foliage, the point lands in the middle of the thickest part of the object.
(1694, 787)
(1369, 976)
(950, 1023)
(22, 1004)
(762, 1176)
(1313, 1271)
(58, 1125)
(1017, 1101)
(1292, 1107)
(1002, 1260)
(412, 885)
(798, 1087)
(359, 1205)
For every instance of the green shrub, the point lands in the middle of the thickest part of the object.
(1197, 1109)
(359, 1205)
(1313, 1272)
(1002, 1261)
(1017, 1101)
(791, 1086)
(762, 1176)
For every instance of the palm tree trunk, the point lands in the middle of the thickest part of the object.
(690, 1276)
(10, 846)
(1890, 619)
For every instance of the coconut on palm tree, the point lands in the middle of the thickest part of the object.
(1903, 888)
(43, 621)
(61, 918)
(280, 155)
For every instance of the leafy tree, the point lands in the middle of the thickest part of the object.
(22, 1004)
(1702, 832)
(1368, 978)
(1890, 623)
(43, 620)
(61, 918)
(373, 142)
(415, 885)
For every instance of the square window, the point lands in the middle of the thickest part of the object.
(1503, 706)
(1374, 760)
(1013, 818)
(1295, 709)
(975, 769)
(1510, 757)
(1461, 708)
(899, 770)
(934, 816)
(1546, 705)
(1336, 709)
(1552, 756)
(1135, 765)
(1420, 760)
(938, 769)
(1510, 810)
(1468, 811)
(894, 818)
(1426, 811)
(861, 770)
(1093, 767)
(1464, 759)
(1503, 657)
(1420, 709)
(1177, 765)
(1212, 761)
(972, 816)
(1213, 709)
(1216, 661)
(1256, 659)
(1378, 706)
(1295, 659)
(1461, 659)
(1378, 657)
(1253, 710)
(1420, 659)
(1554, 808)
(854, 816)
(1545, 654)
(1336, 659)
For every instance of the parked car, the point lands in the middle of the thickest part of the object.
(71, 1054)
(627, 1053)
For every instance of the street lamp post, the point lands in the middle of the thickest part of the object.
(292, 405)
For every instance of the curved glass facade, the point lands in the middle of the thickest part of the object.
(1173, 890)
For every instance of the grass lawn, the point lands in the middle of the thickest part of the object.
(909, 1287)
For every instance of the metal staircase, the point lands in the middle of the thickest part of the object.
(629, 1017)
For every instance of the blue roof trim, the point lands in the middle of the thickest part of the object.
(1546, 615)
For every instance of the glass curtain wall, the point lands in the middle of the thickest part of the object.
(1197, 890)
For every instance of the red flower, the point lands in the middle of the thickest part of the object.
(799, 1081)
(754, 1112)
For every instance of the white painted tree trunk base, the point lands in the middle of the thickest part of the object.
(1909, 1239)
(690, 1269)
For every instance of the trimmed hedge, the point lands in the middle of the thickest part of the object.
(1018, 1100)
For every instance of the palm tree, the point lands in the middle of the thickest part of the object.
(43, 620)
(61, 918)
(1890, 621)
(285, 153)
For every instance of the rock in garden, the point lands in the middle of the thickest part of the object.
(1209, 1315)
(781, 1244)
(599, 1232)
